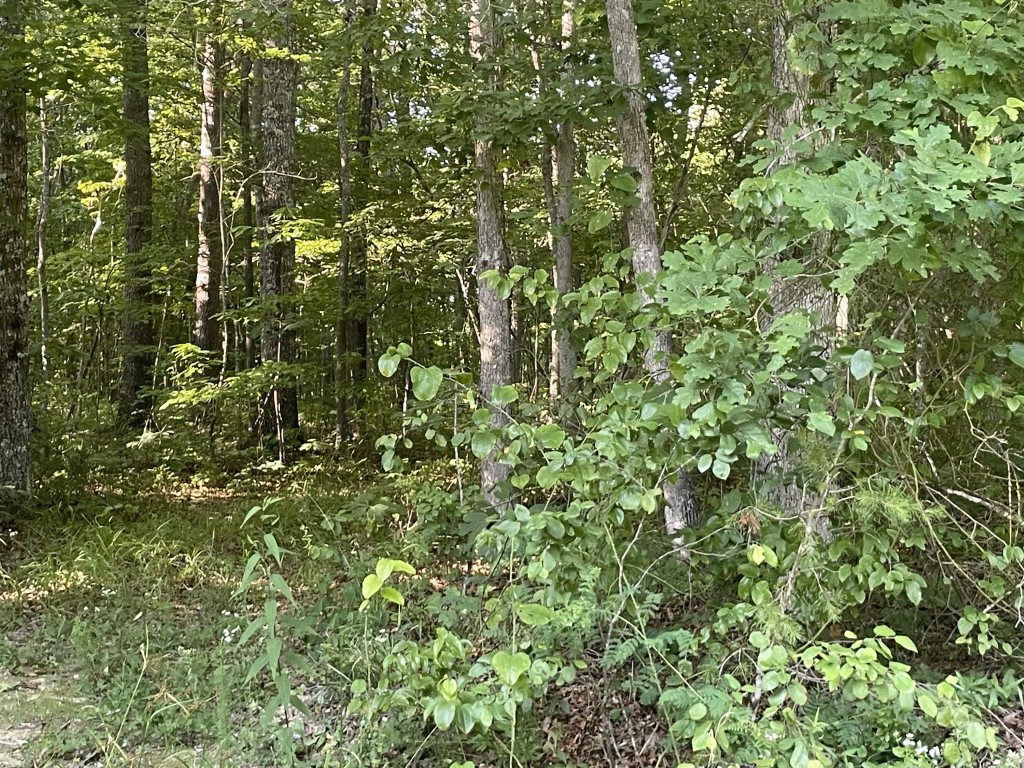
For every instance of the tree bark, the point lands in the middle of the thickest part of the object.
(42, 220)
(15, 393)
(493, 311)
(245, 119)
(342, 368)
(279, 78)
(681, 504)
(210, 261)
(801, 294)
(138, 331)
(563, 356)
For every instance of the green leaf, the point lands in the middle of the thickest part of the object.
(624, 182)
(371, 585)
(720, 469)
(596, 166)
(599, 221)
(820, 421)
(482, 443)
(905, 642)
(914, 592)
(247, 574)
(425, 382)
(387, 364)
(983, 151)
(510, 666)
(975, 733)
(697, 712)
(861, 364)
(550, 436)
(444, 714)
(272, 547)
(1016, 354)
(392, 595)
(533, 614)
(504, 395)
(927, 705)
(277, 582)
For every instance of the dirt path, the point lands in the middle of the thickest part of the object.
(26, 703)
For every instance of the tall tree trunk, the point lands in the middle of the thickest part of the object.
(801, 294)
(15, 394)
(210, 261)
(342, 368)
(42, 219)
(279, 75)
(358, 326)
(681, 504)
(137, 365)
(563, 356)
(245, 119)
(493, 311)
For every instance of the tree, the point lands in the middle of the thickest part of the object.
(788, 123)
(15, 394)
(492, 258)
(277, 80)
(210, 261)
(138, 335)
(681, 504)
(558, 166)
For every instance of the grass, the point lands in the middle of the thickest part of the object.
(125, 605)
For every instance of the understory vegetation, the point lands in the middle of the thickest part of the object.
(474, 384)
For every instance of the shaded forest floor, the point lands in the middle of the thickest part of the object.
(121, 620)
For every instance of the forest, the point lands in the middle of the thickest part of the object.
(478, 383)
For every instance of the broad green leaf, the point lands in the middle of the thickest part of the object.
(820, 421)
(720, 469)
(550, 436)
(504, 395)
(975, 733)
(425, 382)
(272, 546)
(384, 569)
(624, 182)
(596, 166)
(387, 364)
(510, 666)
(861, 364)
(371, 585)
(1016, 354)
(482, 443)
(392, 595)
(927, 705)
(444, 714)
(533, 614)
(697, 712)
(599, 221)
(905, 642)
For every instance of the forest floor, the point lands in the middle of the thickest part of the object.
(121, 619)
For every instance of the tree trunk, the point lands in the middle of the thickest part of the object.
(493, 311)
(210, 260)
(136, 373)
(563, 356)
(42, 219)
(279, 75)
(681, 505)
(342, 368)
(15, 394)
(358, 330)
(800, 294)
(245, 118)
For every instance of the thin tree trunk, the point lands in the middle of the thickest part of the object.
(15, 392)
(342, 371)
(210, 261)
(42, 219)
(681, 504)
(494, 318)
(137, 366)
(277, 252)
(248, 214)
(563, 356)
(787, 295)
(358, 330)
